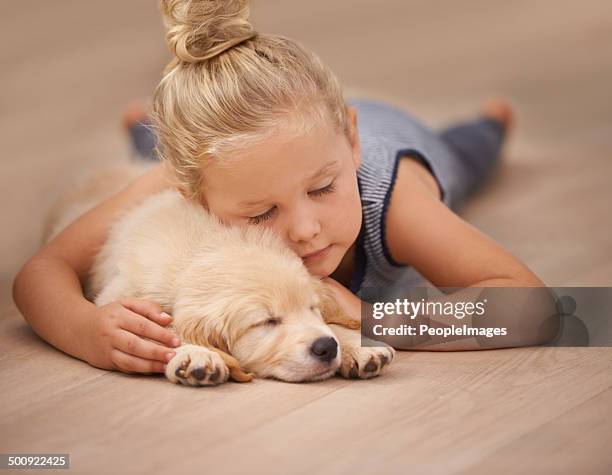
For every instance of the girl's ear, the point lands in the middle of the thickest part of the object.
(354, 135)
(192, 330)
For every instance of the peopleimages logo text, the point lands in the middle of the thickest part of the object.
(412, 309)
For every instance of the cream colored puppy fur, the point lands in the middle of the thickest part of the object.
(243, 303)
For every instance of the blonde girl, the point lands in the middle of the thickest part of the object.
(255, 129)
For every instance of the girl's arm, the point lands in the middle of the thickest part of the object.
(48, 290)
(449, 252)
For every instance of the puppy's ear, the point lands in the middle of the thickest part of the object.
(331, 311)
(193, 331)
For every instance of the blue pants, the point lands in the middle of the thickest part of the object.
(477, 144)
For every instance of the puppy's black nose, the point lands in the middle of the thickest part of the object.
(325, 348)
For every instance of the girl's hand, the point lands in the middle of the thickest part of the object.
(130, 336)
(348, 301)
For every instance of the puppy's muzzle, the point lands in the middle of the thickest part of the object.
(324, 349)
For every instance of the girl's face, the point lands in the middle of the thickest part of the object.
(303, 187)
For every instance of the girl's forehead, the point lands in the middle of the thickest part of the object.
(282, 160)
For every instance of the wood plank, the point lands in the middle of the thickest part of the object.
(577, 441)
(463, 405)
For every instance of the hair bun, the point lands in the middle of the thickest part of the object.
(201, 29)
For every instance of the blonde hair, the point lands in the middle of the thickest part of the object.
(229, 86)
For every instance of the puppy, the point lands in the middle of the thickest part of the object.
(243, 303)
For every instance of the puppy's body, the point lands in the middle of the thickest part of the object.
(242, 302)
(153, 250)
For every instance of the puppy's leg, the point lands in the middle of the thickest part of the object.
(194, 331)
(333, 313)
(195, 365)
(358, 361)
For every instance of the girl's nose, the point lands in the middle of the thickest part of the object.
(304, 224)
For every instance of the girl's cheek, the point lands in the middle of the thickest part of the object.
(351, 194)
(346, 205)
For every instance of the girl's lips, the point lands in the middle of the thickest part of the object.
(316, 255)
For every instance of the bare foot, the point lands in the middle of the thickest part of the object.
(501, 111)
(134, 113)
(136, 122)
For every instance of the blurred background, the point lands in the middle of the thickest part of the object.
(70, 67)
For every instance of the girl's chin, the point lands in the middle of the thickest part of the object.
(318, 270)
(324, 268)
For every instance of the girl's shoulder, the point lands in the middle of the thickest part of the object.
(391, 187)
(412, 197)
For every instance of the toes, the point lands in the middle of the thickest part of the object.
(500, 110)
(197, 369)
(215, 376)
(386, 359)
(198, 373)
(371, 366)
(364, 363)
(181, 371)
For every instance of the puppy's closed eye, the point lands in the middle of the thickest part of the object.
(268, 322)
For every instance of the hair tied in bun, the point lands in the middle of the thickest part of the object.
(202, 29)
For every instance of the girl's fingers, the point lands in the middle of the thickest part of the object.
(132, 364)
(134, 345)
(141, 326)
(148, 309)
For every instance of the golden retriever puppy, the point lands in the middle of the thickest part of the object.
(243, 303)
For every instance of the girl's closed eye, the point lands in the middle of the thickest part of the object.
(326, 189)
(268, 214)
(262, 217)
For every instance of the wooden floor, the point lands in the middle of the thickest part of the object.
(68, 69)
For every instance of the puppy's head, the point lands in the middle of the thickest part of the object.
(258, 303)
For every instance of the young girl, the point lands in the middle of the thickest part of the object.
(255, 129)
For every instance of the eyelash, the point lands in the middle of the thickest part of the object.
(268, 214)
(270, 322)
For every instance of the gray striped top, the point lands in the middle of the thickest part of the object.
(386, 134)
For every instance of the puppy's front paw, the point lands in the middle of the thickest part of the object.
(197, 366)
(365, 362)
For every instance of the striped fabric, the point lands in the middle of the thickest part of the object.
(387, 134)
